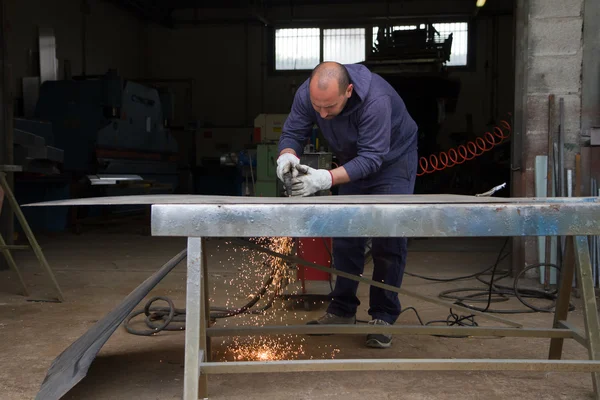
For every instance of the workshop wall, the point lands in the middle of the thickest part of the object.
(233, 84)
(114, 38)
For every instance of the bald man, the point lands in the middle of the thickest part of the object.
(367, 126)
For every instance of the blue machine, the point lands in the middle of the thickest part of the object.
(107, 125)
(109, 130)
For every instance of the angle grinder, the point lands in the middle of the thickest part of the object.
(287, 182)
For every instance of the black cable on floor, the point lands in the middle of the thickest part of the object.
(170, 314)
(494, 293)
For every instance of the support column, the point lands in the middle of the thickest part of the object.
(554, 66)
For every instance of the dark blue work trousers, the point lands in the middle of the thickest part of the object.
(389, 254)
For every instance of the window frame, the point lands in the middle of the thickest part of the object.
(368, 26)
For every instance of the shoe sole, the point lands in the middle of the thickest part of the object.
(376, 344)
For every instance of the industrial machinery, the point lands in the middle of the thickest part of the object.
(413, 59)
(110, 126)
(419, 49)
(95, 136)
(267, 184)
(267, 130)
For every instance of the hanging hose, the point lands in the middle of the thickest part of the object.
(466, 152)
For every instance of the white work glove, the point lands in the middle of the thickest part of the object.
(287, 163)
(310, 181)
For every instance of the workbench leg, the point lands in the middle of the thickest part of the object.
(193, 312)
(13, 265)
(14, 205)
(206, 302)
(204, 349)
(590, 312)
(561, 310)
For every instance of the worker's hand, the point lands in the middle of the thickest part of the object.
(286, 163)
(310, 181)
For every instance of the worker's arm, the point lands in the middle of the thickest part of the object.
(298, 124)
(374, 132)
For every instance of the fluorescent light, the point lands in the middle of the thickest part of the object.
(480, 3)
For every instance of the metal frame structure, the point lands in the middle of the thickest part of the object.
(415, 216)
(199, 217)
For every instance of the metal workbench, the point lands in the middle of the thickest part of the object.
(198, 217)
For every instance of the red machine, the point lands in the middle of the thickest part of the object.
(318, 251)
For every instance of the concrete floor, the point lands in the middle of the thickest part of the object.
(100, 267)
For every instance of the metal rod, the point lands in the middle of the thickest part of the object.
(596, 265)
(29, 233)
(569, 183)
(590, 310)
(204, 317)
(191, 374)
(13, 265)
(206, 299)
(561, 310)
(399, 365)
(561, 146)
(592, 242)
(298, 260)
(14, 247)
(564, 333)
(550, 182)
(561, 159)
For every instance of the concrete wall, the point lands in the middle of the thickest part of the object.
(554, 66)
(114, 38)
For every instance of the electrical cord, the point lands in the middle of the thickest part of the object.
(494, 293)
(170, 314)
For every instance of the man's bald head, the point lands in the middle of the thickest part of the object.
(330, 89)
(328, 73)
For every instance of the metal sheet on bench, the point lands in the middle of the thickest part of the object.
(370, 216)
(357, 199)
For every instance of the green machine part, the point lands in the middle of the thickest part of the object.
(267, 183)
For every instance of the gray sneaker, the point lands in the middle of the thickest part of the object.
(379, 340)
(330, 319)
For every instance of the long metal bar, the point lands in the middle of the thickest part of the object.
(298, 260)
(561, 310)
(376, 220)
(561, 148)
(590, 310)
(14, 204)
(12, 264)
(204, 308)
(206, 300)
(238, 367)
(192, 320)
(549, 183)
(564, 333)
(14, 247)
(447, 200)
